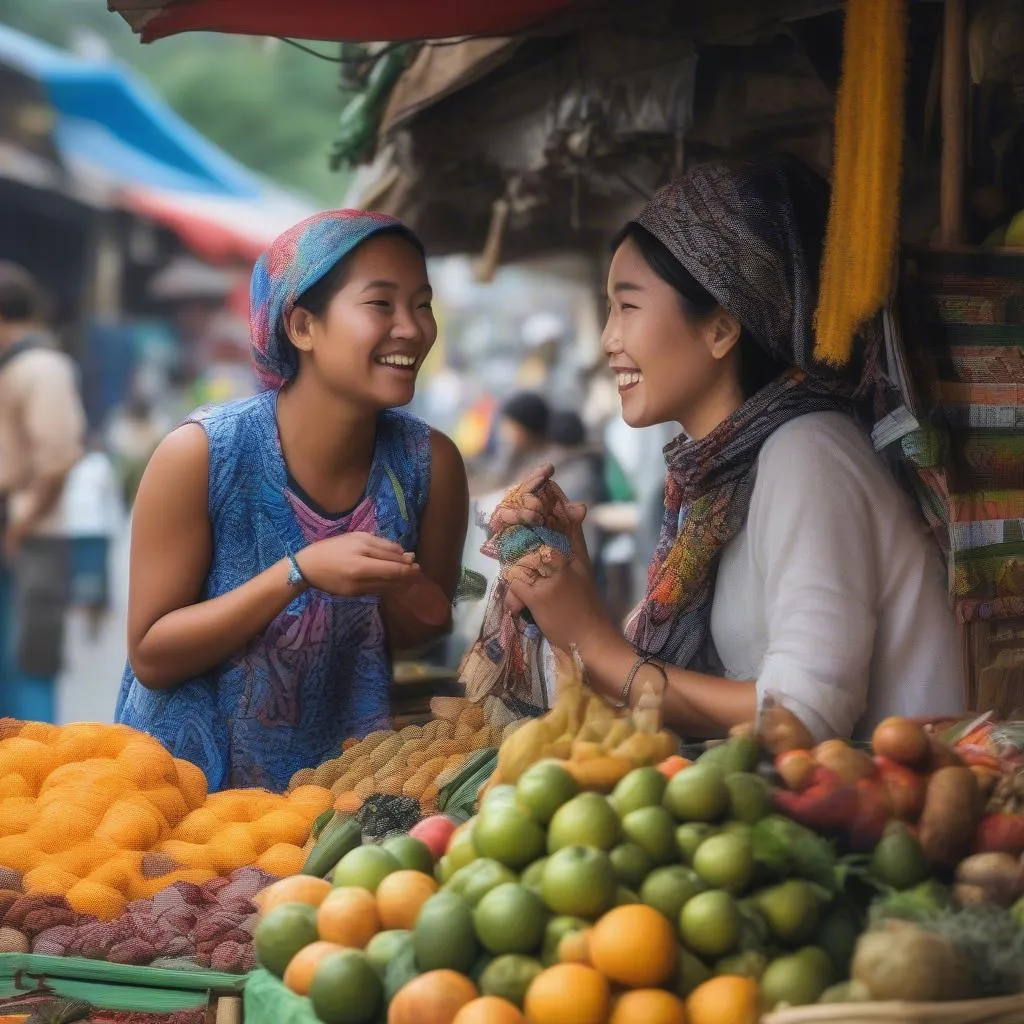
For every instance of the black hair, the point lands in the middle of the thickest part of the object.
(317, 297)
(757, 368)
(530, 411)
(566, 428)
(21, 300)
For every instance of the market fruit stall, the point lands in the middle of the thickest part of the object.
(800, 883)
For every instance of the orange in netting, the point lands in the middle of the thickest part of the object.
(634, 945)
(49, 878)
(100, 901)
(280, 826)
(200, 826)
(191, 782)
(232, 847)
(349, 917)
(298, 975)
(401, 895)
(132, 823)
(281, 860)
(147, 763)
(29, 758)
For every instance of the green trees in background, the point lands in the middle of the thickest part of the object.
(268, 104)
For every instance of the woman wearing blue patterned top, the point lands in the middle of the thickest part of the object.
(284, 544)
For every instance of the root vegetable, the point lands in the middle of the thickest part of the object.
(1000, 833)
(796, 768)
(952, 809)
(903, 962)
(906, 788)
(999, 876)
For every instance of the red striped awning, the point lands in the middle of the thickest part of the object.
(352, 20)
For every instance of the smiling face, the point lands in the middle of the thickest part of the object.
(369, 341)
(669, 366)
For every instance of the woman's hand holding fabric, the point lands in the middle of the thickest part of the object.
(564, 603)
(358, 565)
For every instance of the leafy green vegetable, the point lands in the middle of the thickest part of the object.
(788, 849)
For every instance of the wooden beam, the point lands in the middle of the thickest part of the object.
(954, 123)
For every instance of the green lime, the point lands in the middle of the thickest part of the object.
(898, 860)
(487, 874)
(631, 863)
(385, 946)
(534, 874)
(505, 832)
(346, 989)
(710, 923)
(690, 973)
(579, 881)
(509, 976)
(365, 867)
(743, 965)
(740, 754)
(510, 919)
(794, 980)
(749, 797)
(411, 854)
(791, 910)
(642, 787)
(653, 829)
(690, 836)
(444, 937)
(725, 861)
(586, 820)
(282, 933)
(626, 897)
(462, 850)
(503, 794)
(696, 794)
(669, 889)
(543, 788)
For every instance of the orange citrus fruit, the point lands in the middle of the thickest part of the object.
(723, 1000)
(400, 896)
(349, 917)
(298, 975)
(489, 1010)
(295, 889)
(650, 1005)
(568, 994)
(575, 947)
(634, 945)
(432, 998)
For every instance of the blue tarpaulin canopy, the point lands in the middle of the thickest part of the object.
(108, 120)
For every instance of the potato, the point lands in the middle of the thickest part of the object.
(839, 757)
(997, 877)
(952, 809)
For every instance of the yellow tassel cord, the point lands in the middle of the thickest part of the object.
(860, 242)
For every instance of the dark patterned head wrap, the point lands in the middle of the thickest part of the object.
(295, 261)
(751, 233)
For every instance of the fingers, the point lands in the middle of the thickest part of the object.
(537, 476)
(384, 550)
(576, 511)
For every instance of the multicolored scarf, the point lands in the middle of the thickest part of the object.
(296, 260)
(751, 234)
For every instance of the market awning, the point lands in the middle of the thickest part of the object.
(218, 229)
(354, 20)
(108, 120)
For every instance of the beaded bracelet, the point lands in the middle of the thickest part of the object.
(644, 659)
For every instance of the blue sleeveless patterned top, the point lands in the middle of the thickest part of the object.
(320, 672)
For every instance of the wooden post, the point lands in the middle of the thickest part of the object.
(954, 123)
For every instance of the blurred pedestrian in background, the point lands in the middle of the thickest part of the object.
(93, 514)
(42, 425)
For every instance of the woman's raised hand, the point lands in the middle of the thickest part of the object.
(358, 565)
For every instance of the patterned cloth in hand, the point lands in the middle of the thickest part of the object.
(507, 659)
(751, 234)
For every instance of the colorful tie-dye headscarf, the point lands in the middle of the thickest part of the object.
(299, 258)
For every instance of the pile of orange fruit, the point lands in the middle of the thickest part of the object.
(103, 815)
